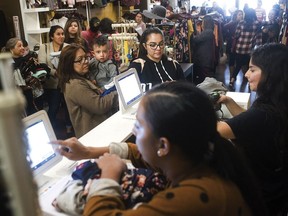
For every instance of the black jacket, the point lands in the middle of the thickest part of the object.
(155, 73)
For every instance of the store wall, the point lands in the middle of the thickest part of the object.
(11, 8)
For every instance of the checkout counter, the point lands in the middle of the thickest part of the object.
(114, 129)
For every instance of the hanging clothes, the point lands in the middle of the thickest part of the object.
(184, 29)
(50, 4)
(59, 19)
(71, 3)
(283, 36)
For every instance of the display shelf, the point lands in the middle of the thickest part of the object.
(38, 31)
(36, 10)
(31, 22)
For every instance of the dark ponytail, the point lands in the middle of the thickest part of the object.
(231, 164)
(185, 115)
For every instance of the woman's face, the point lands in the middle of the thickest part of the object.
(145, 139)
(239, 16)
(253, 75)
(138, 18)
(18, 50)
(154, 46)
(73, 29)
(58, 36)
(81, 62)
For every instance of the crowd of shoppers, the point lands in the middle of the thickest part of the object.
(240, 163)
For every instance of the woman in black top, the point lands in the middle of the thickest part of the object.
(153, 66)
(261, 132)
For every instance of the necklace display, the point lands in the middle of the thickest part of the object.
(125, 44)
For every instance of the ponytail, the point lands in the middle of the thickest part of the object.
(230, 163)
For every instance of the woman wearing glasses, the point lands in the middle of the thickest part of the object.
(153, 66)
(87, 108)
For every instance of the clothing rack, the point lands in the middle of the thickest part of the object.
(131, 10)
(87, 9)
(66, 10)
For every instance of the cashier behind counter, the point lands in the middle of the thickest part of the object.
(181, 157)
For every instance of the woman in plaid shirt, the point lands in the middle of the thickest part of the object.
(248, 34)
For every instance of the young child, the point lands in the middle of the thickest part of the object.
(102, 69)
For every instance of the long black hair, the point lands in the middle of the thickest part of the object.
(185, 116)
(105, 26)
(94, 24)
(249, 19)
(272, 90)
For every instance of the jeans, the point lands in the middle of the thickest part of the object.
(53, 99)
(241, 60)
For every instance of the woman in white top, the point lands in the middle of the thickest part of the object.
(141, 26)
(49, 54)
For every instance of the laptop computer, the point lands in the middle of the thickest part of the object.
(130, 92)
(42, 156)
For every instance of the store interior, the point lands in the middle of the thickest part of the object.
(26, 19)
(17, 10)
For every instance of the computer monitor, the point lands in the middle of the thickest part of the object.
(38, 134)
(129, 88)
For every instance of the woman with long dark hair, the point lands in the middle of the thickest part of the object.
(72, 32)
(49, 54)
(248, 35)
(261, 132)
(229, 29)
(153, 66)
(176, 133)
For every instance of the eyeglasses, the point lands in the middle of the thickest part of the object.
(154, 46)
(82, 60)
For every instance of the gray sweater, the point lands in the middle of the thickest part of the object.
(102, 72)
